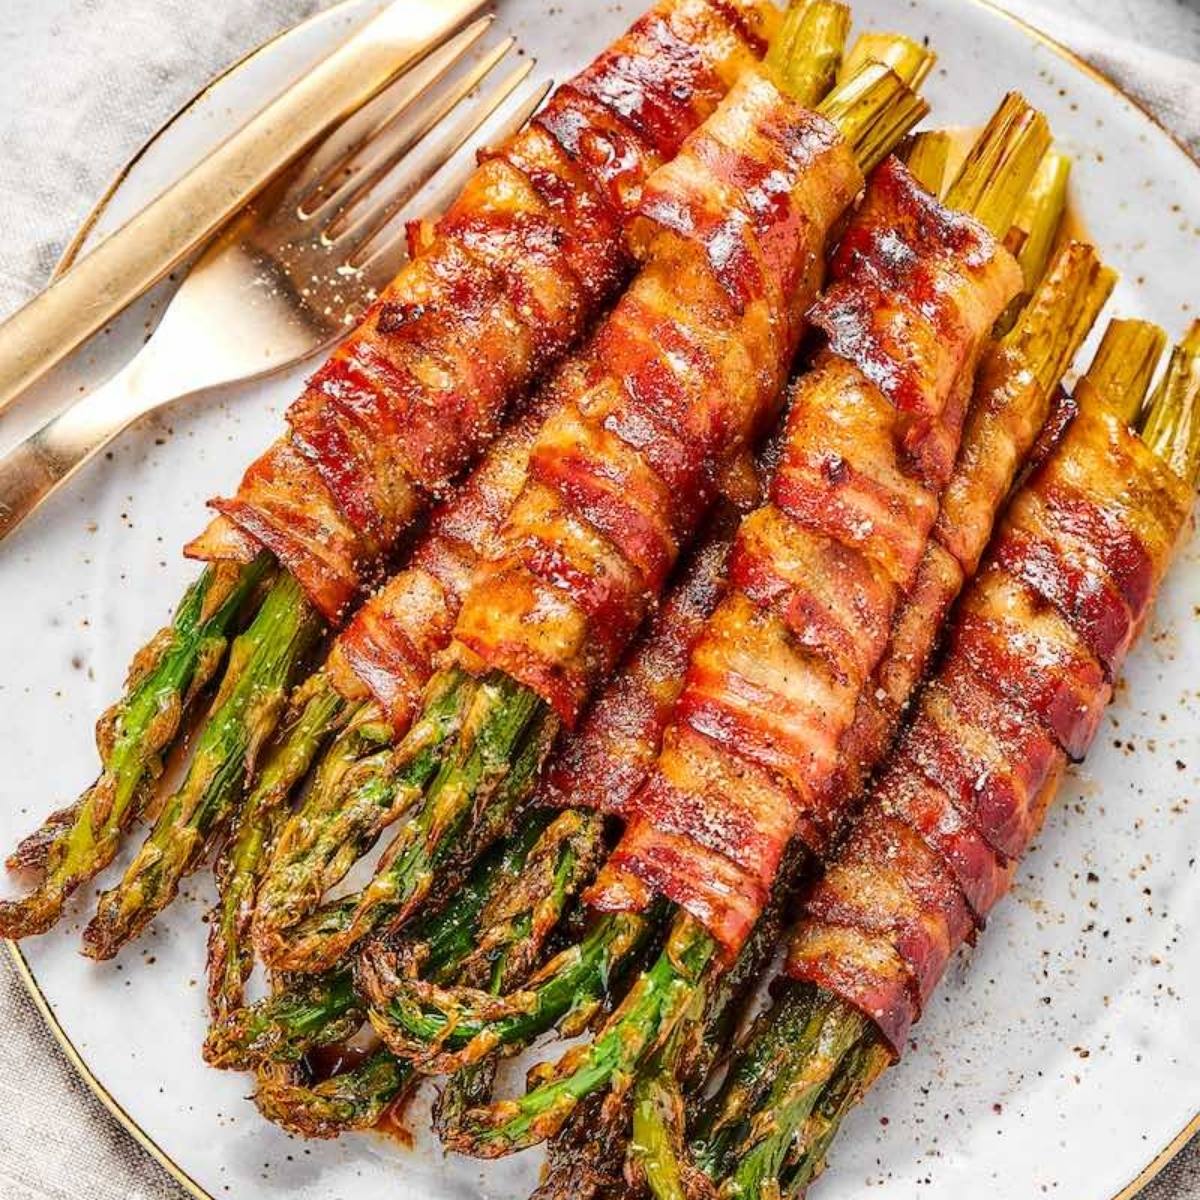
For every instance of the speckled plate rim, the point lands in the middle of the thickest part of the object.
(24, 972)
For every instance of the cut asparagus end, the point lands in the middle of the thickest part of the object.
(1064, 307)
(910, 60)
(443, 1029)
(1035, 229)
(77, 844)
(806, 51)
(874, 110)
(1170, 422)
(262, 662)
(362, 785)
(1000, 166)
(1039, 216)
(928, 159)
(1124, 366)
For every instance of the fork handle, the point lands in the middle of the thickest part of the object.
(38, 466)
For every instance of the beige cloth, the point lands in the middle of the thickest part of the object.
(85, 82)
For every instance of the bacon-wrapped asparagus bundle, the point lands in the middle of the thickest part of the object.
(600, 767)
(1035, 647)
(678, 382)
(443, 1028)
(511, 275)
(917, 287)
(381, 662)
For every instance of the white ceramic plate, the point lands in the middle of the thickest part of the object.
(1062, 1059)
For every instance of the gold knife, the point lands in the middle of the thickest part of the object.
(187, 213)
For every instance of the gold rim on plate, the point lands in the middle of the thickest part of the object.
(25, 974)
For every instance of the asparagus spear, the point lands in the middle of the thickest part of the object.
(750, 1144)
(362, 784)
(318, 708)
(996, 172)
(252, 693)
(353, 1099)
(394, 893)
(77, 843)
(313, 1011)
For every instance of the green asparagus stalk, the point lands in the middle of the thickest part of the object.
(990, 185)
(363, 784)
(164, 679)
(796, 1056)
(260, 669)
(314, 1011)
(318, 710)
(455, 820)
(759, 1148)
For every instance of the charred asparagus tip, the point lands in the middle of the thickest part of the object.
(132, 736)
(1001, 165)
(1035, 229)
(1170, 421)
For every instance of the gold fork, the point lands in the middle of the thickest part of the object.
(297, 268)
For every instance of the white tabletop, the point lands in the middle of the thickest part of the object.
(85, 82)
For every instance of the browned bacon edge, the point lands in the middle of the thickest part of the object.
(1036, 643)
(513, 273)
(818, 574)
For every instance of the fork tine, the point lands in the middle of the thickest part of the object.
(378, 257)
(366, 215)
(325, 179)
(398, 137)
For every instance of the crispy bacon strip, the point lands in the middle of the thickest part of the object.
(604, 762)
(509, 279)
(817, 575)
(682, 376)
(1029, 669)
